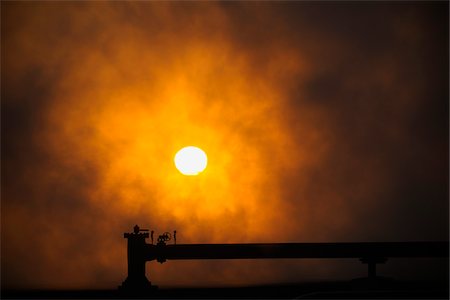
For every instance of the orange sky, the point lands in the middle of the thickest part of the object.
(319, 125)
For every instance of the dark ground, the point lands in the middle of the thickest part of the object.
(355, 289)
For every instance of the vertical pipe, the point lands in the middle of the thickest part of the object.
(372, 269)
(136, 248)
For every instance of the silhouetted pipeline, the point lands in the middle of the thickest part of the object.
(371, 253)
(296, 250)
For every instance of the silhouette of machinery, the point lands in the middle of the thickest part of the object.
(136, 254)
(370, 253)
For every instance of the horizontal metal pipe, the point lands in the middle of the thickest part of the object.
(297, 250)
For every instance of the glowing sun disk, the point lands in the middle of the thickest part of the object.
(190, 160)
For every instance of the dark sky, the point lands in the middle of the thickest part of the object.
(322, 122)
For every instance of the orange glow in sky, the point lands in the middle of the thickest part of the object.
(307, 125)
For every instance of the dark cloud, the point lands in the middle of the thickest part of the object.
(322, 122)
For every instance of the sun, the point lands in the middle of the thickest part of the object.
(190, 160)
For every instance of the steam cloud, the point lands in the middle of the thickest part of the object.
(322, 122)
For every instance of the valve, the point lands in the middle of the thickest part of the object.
(163, 238)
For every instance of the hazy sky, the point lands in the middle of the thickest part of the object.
(322, 122)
